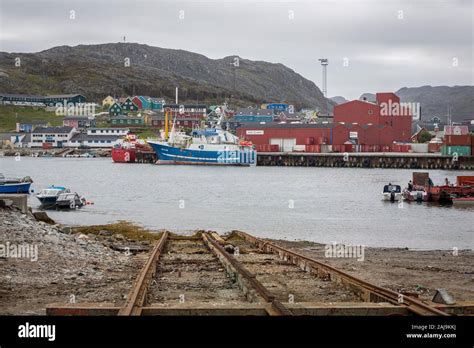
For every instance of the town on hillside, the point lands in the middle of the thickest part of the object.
(381, 125)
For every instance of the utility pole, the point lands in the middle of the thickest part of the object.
(324, 64)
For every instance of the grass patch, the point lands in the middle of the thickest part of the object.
(10, 115)
(125, 228)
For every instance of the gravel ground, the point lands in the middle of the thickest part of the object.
(66, 268)
(414, 271)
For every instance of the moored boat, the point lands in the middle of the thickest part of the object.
(70, 200)
(392, 193)
(463, 201)
(210, 146)
(48, 196)
(15, 185)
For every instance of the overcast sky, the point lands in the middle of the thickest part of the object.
(385, 44)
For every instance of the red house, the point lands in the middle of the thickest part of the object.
(138, 102)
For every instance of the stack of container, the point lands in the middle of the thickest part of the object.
(460, 144)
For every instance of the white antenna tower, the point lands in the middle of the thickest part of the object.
(324, 64)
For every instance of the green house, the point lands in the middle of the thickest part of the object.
(129, 121)
(115, 109)
(129, 105)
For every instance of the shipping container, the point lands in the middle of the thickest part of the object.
(434, 147)
(313, 148)
(419, 148)
(454, 140)
(459, 150)
(47, 145)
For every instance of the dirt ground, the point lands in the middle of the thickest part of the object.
(420, 272)
(95, 267)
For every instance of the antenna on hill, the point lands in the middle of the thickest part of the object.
(124, 39)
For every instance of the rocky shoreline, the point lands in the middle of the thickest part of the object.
(66, 268)
(43, 263)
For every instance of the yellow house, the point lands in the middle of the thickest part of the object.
(108, 101)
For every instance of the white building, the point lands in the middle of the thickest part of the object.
(94, 141)
(56, 136)
(108, 131)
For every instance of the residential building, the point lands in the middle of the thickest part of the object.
(158, 120)
(79, 122)
(129, 105)
(28, 127)
(196, 111)
(34, 100)
(115, 109)
(56, 136)
(108, 101)
(129, 121)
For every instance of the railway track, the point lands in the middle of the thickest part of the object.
(244, 275)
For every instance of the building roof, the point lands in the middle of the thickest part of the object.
(78, 118)
(110, 128)
(186, 106)
(43, 130)
(162, 118)
(254, 125)
(90, 137)
(254, 112)
(27, 138)
(63, 95)
(125, 117)
(21, 95)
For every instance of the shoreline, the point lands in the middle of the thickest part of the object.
(99, 263)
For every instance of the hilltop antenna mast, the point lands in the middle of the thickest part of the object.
(324, 64)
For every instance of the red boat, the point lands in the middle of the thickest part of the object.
(123, 155)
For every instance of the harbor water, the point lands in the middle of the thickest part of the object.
(324, 205)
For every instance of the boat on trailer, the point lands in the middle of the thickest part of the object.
(210, 146)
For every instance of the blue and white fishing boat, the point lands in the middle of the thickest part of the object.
(204, 146)
(48, 196)
(15, 185)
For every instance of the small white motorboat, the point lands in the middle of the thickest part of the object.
(392, 193)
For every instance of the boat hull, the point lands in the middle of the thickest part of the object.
(463, 201)
(120, 155)
(15, 188)
(175, 155)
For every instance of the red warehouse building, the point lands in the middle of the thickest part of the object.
(288, 137)
(386, 111)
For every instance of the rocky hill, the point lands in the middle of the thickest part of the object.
(99, 70)
(339, 99)
(435, 100)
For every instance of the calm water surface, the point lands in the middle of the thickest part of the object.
(317, 204)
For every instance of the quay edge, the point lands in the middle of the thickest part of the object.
(366, 160)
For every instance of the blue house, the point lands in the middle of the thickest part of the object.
(277, 106)
(253, 115)
(146, 102)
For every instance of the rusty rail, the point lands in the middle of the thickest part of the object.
(136, 298)
(375, 292)
(277, 307)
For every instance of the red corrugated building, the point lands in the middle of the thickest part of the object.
(386, 111)
(286, 136)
